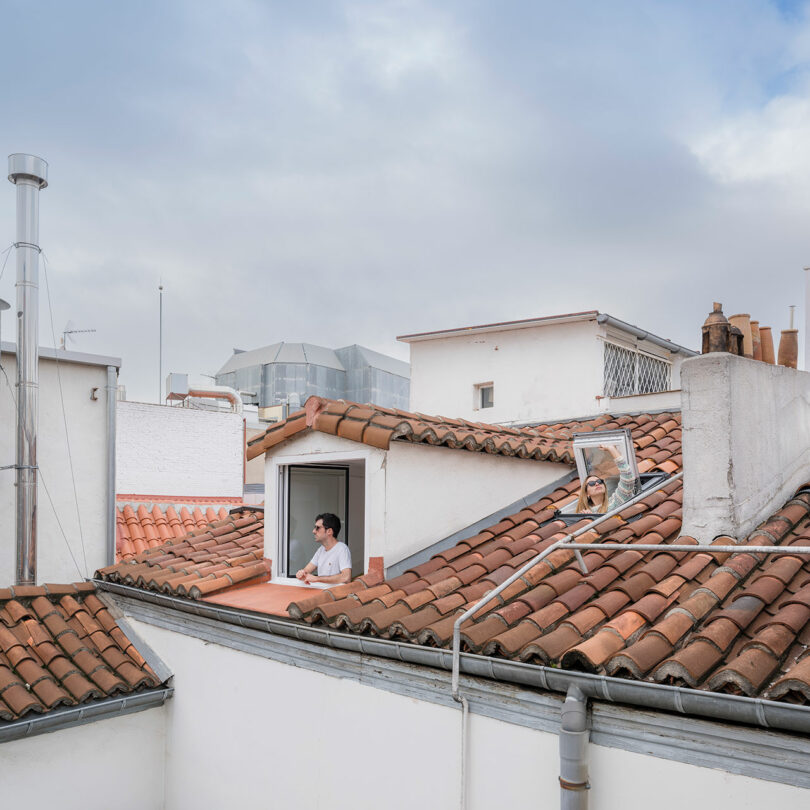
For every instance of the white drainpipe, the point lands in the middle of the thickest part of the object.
(574, 735)
(807, 318)
(112, 392)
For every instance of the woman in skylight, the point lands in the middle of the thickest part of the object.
(593, 494)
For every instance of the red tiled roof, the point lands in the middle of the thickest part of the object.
(218, 556)
(736, 623)
(377, 427)
(59, 646)
(143, 526)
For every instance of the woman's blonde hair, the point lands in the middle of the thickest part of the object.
(583, 502)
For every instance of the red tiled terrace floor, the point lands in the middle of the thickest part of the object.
(265, 597)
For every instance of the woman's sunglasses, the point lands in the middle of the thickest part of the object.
(594, 481)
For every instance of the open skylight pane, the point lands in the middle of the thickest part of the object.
(592, 459)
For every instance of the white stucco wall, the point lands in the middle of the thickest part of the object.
(415, 495)
(162, 450)
(432, 492)
(117, 762)
(539, 372)
(746, 442)
(87, 431)
(318, 741)
(640, 403)
(551, 371)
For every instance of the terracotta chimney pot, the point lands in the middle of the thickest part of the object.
(789, 348)
(715, 331)
(766, 345)
(757, 342)
(735, 341)
(743, 323)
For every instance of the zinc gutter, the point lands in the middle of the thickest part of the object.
(757, 712)
(79, 715)
(643, 334)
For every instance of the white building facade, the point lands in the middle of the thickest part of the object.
(397, 501)
(73, 455)
(543, 369)
(179, 452)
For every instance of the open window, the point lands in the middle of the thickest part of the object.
(592, 459)
(307, 490)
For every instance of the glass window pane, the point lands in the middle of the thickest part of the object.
(312, 490)
(487, 396)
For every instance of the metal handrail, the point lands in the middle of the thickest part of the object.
(565, 542)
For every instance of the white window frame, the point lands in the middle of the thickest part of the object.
(478, 389)
(280, 476)
(621, 439)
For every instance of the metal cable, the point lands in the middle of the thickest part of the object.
(61, 529)
(7, 251)
(45, 486)
(64, 414)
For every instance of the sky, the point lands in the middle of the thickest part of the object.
(346, 172)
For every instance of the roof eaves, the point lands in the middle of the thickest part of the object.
(63, 356)
(757, 712)
(502, 326)
(67, 717)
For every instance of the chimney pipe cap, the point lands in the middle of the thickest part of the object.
(31, 167)
(716, 315)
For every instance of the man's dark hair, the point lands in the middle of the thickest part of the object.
(330, 521)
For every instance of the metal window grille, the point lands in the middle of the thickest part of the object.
(629, 372)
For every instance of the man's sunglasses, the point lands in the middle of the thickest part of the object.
(594, 481)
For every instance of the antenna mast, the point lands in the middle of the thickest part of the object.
(160, 351)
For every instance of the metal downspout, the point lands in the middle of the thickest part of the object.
(29, 174)
(574, 734)
(112, 390)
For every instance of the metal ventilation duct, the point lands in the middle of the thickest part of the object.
(29, 174)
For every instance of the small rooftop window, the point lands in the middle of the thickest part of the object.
(594, 458)
(484, 396)
(591, 459)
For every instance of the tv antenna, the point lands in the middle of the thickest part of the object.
(69, 330)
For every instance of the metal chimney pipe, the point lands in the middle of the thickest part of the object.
(29, 174)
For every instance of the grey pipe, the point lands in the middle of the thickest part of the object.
(642, 335)
(574, 734)
(29, 174)
(112, 390)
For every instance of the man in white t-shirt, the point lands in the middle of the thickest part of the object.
(333, 558)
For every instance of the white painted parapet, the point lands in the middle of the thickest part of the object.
(746, 442)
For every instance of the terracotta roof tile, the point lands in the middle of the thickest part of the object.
(214, 557)
(59, 646)
(141, 526)
(378, 427)
(728, 622)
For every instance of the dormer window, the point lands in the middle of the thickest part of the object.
(484, 396)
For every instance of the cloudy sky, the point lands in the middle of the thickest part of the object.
(344, 172)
